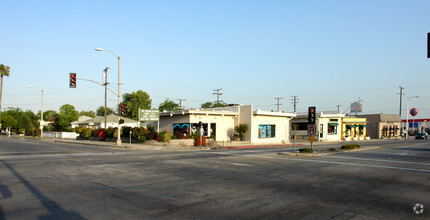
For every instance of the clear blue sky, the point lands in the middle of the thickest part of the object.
(327, 53)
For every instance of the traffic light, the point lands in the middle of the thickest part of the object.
(312, 115)
(122, 109)
(72, 80)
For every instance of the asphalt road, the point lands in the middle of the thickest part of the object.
(47, 180)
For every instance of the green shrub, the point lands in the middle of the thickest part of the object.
(241, 129)
(164, 136)
(86, 133)
(306, 150)
(151, 127)
(110, 131)
(115, 133)
(150, 135)
(350, 146)
(197, 141)
(332, 149)
(142, 138)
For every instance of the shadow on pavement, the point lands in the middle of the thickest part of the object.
(54, 209)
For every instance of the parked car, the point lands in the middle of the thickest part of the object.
(421, 136)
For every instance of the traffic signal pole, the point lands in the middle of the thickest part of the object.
(106, 83)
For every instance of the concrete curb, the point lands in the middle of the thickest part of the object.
(132, 146)
(325, 154)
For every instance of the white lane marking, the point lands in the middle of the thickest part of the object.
(344, 163)
(242, 164)
(56, 155)
(27, 152)
(390, 161)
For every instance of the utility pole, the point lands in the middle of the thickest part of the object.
(180, 102)
(338, 107)
(401, 94)
(218, 94)
(278, 102)
(295, 101)
(106, 83)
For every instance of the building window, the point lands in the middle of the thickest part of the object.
(195, 128)
(266, 131)
(181, 129)
(299, 126)
(332, 128)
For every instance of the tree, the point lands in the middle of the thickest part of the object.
(91, 114)
(134, 101)
(9, 121)
(27, 120)
(241, 129)
(213, 105)
(168, 105)
(101, 111)
(50, 116)
(14, 113)
(66, 116)
(4, 71)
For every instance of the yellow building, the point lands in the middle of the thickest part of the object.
(354, 128)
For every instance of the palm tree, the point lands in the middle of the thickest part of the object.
(4, 71)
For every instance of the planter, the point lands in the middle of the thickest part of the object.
(355, 138)
(182, 142)
(347, 139)
(360, 138)
(367, 138)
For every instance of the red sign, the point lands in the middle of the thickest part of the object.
(414, 112)
(312, 129)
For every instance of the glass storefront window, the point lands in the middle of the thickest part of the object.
(266, 131)
(332, 129)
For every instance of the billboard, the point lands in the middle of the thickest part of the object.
(357, 106)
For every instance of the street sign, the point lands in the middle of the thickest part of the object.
(312, 129)
(311, 139)
(149, 115)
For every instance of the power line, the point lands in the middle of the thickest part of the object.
(218, 94)
(180, 102)
(295, 101)
(278, 104)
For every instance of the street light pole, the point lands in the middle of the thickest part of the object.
(118, 140)
(407, 115)
(41, 111)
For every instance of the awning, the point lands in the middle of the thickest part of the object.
(332, 124)
(364, 126)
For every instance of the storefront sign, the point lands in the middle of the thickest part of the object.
(414, 112)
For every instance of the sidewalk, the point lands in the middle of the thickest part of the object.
(134, 146)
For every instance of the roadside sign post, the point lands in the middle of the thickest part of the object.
(294, 143)
(311, 139)
(311, 131)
